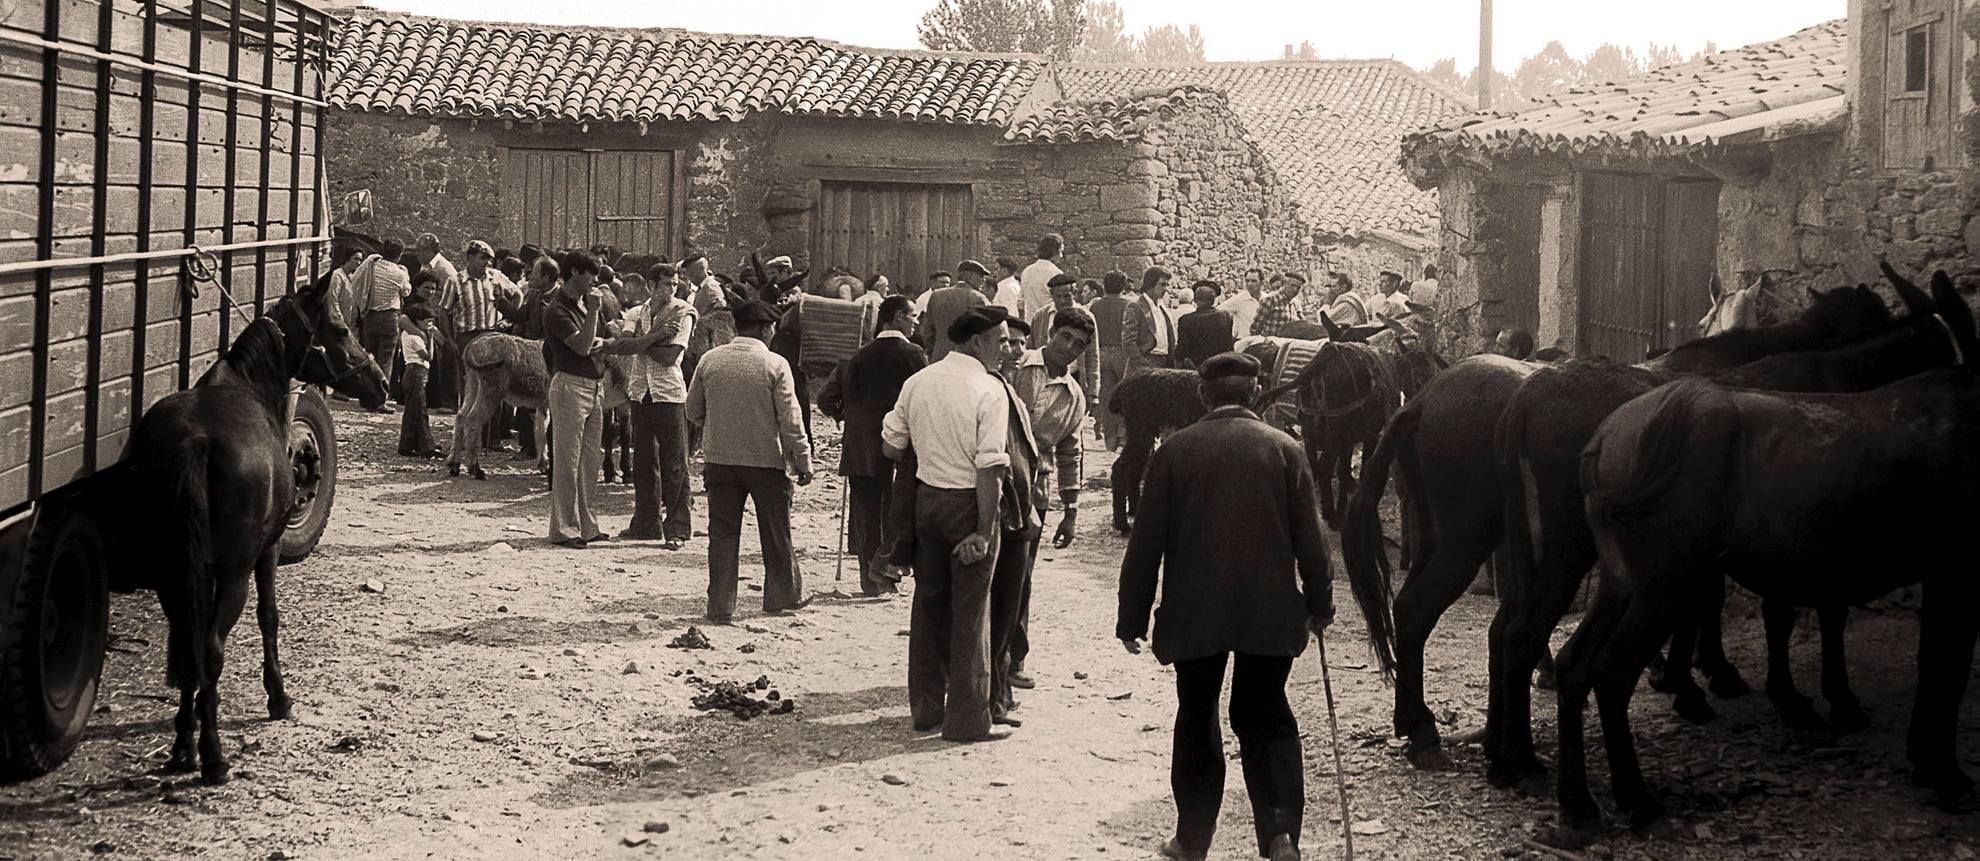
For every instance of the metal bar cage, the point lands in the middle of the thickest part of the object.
(153, 132)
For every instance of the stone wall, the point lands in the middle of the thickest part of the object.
(424, 177)
(1084, 192)
(1223, 209)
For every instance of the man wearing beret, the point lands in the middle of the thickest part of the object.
(954, 418)
(1229, 474)
(942, 305)
(744, 400)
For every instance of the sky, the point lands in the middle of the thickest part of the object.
(1418, 32)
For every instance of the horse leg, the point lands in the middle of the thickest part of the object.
(1531, 603)
(185, 757)
(1127, 473)
(1725, 679)
(1796, 709)
(270, 618)
(1846, 712)
(470, 395)
(1581, 818)
(606, 442)
(1945, 660)
(228, 603)
(1434, 583)
(541, 417)
(1687, 699)
(1641, 632)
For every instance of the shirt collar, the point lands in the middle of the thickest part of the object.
(749, 343)
(890, 333)
(964, 361)
(1231, 412)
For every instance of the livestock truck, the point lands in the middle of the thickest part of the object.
(160, 183)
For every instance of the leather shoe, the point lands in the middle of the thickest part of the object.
(631, 534)
(1022, 680)
(1005, 719)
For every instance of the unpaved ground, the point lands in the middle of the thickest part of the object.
(483, 631)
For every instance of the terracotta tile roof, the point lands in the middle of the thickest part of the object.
(1664, 112)
(1328, 128)
(1112, 119)
(387, 62)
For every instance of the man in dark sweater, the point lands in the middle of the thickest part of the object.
(1227, 518)
(860, 394)
(1204, 332)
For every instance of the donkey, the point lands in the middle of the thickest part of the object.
(209, 476)
(1445, 443)
(502, 368)
(1698, 480)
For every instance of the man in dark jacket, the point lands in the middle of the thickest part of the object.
(860, 395)
(1204, 332)
(1227, 513)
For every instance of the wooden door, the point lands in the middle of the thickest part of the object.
(631, 208)
(1517, 236)
(574, 199)
(901, 230)
(1690, 255)
(1621, 299)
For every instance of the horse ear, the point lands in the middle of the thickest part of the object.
(1333, 329)
(1915, 300)
(1716, 287)
(1952, 309)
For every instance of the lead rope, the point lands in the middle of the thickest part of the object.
(1334, 733)
(200, 272)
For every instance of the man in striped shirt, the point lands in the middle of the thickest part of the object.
(476, 296)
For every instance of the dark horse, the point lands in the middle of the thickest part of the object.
(210, 485)
(1445, 442)
(1697, 480)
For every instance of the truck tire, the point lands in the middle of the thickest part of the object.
(54, 624)
(313, 446)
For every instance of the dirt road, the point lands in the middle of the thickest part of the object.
(501, 698)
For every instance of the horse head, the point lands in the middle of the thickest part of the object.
(1845, 313)
(322, 349)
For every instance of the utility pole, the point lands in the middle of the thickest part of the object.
(1484, 55)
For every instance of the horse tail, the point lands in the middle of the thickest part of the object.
(1654, 437)
(191, 658)
(1515, 561)
(1368, 566)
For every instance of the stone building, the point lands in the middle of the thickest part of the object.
(898, 162)
(1598, 218)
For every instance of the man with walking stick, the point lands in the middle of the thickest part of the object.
(860, 394)
(1227, 518)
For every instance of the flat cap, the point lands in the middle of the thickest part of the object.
(754, 313)
(1062, 279)
(1229, 365)
(976, 321)
(779, 260)
(972, 266)
(476, 246)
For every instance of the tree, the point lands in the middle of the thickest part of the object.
(1610, 63)
(1663, 55)
(1306, 51)
(1107, 39)
(1170, 44)
(1445, 71)
(1049, 27)
(1549, 71)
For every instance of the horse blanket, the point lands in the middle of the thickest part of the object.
(1282, 360)
(831, 330)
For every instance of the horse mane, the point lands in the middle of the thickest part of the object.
(258, 357)
(1656, 445)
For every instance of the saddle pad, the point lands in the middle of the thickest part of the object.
(831, 330)
(1288, 357)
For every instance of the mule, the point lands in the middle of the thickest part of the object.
(1445, 444)
(1698, 480)
(504, 368)
(1549, 547)
(210, 485)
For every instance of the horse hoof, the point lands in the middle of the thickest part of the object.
(475, 473)
(182, 762)
(1730, 685)
(1428, 758)
(215, 775)
(1574, 832)
(280, 707)
(454, 470)
(1847, 718)
(1799, 714)
(1691, 706)
(1544, 680)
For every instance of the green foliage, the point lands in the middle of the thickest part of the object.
(1049, 27)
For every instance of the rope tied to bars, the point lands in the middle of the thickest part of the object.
(203, 267)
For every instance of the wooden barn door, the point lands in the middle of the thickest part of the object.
(1648, 250)
(563, 198)
(901, 230)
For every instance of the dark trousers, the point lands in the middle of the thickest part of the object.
(415, 436)
(379, 335)
(526, 431)
(867, 522)
(949, 629)
(1268, 747)
(1021, 633)
(1007, 588)
(728, 488)
(660, 470)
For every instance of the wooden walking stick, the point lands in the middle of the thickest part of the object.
(1334, 732)
(845, 493)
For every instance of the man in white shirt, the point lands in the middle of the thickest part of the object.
(955, 417)
(1424, 291)
(1243, 304)
(658, 392)
(1393, 301)
(1036, 279)
(427, 246)
(1010, 292)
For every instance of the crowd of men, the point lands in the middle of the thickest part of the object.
(962, 417)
